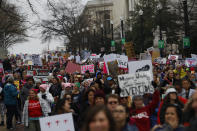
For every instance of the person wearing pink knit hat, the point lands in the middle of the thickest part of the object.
(66, 89)
(46, 95)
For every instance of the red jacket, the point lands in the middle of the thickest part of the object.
(142, 116)
(183, 100)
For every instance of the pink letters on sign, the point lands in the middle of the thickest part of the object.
(84, 68)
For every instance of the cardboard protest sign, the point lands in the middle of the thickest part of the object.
(113, 68)
(135, 84)
(71, 68)
(62, 122)
(155, 54)
(139, 66)
(173, 57)
(129, 48)
(190, 62)
(84, 68)
(109, 59)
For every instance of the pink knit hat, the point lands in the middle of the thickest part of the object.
(65, 85)
(44, 86)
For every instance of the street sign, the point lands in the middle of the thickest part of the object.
(113, 48)
(161, 44)
(112, 43)
(102, 49)
(186, 42)
(123, 41)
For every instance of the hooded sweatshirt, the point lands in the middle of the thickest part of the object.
(142, 116)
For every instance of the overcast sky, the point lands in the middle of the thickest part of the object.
(34, 44)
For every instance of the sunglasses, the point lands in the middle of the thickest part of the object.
(113, 102)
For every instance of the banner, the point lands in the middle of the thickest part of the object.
(62, 122)
(190, 62)
(71, 68)
(135, 84)
(84, 68)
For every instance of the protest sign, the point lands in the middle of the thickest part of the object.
(77, 59)
(145, 56)
(155, 54)
(113, 68)
(135, 84)
(36, 60)
(30, 73)
(62, 122)
(194, 56)
(139, 66)
(173, 57)
(84, 68)
(42, 72)
(129, 48)
(122, 61)
(190, 62)
(109, 59)
(1, 69)
(71, 68)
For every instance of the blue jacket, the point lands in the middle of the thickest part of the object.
(130, 128)
(10, 94)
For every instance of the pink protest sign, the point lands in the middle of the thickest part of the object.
(84, 68)
(71, 68)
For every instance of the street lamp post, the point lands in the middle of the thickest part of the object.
(112, 30)
(141, 29)
(102, 33)
(82, 30)
(187, 27)
(79, 42)
(160, 28)
(88, 46)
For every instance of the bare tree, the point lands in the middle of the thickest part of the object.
(12, 25)
(63, 21)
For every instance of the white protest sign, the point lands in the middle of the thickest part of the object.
(36, 60)
(145, 56)
(122, 61)
(139, 66)
(190, 62)
(1, 68)
(62, 122)
(30, 73)
(84, 68)
(135, 84)
(77, 59)
(194, 56)
(173, 57)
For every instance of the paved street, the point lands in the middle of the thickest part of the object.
(18, 128)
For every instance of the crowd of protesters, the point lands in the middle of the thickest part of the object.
(96, 105)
